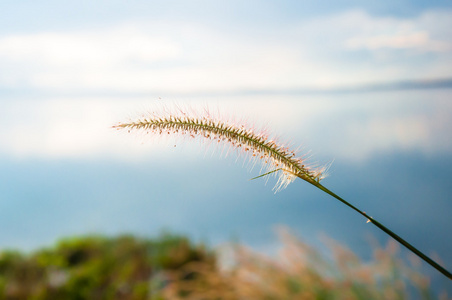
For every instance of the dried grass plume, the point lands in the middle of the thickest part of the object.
(258, 145)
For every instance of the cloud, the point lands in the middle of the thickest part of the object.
(398, 41)
(82, 60)
(141, 58)
(348, 48)
(355, 48)
(118, 46)
(401, 34)
(351, 29)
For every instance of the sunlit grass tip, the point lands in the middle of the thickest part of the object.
(276, 158)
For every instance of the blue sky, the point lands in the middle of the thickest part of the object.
(305, 70)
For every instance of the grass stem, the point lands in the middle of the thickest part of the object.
(386, 230)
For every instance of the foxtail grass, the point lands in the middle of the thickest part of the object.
(276, 157)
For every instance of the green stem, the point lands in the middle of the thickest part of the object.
(385, 229)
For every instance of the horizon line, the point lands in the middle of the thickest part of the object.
(445, 83)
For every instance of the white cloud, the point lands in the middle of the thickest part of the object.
(398, 41)
(356, 48)
(171, 57)
(374, 33)
(145, 57)
(104, 48)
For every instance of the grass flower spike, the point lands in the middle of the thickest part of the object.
(276, 158)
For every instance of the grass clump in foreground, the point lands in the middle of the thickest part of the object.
(171, 267)
(276, 158)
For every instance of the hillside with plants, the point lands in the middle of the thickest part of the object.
(172, 267)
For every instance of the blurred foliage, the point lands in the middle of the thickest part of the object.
(95, 267)
(171, 267)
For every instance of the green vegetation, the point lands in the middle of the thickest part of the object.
(171, 267)
(94, 267)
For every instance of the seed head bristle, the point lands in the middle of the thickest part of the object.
(273, 155)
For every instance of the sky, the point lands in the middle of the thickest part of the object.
(169, 47)
(362, 85)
